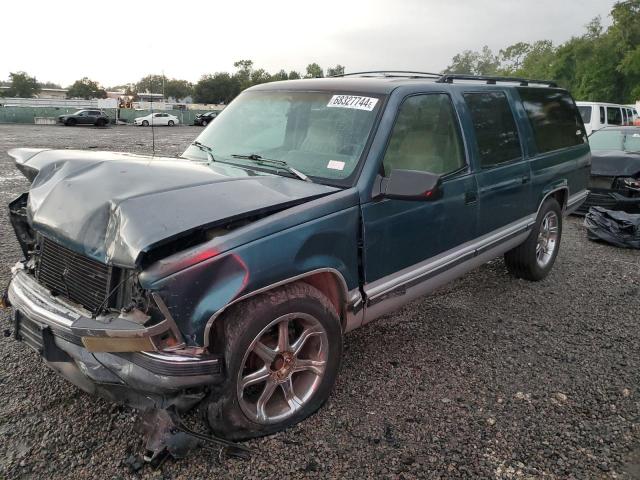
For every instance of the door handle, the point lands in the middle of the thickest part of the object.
(470, 196)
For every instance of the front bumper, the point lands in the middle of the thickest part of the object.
(141, 379)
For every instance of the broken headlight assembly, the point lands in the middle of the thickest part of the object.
(631, 184)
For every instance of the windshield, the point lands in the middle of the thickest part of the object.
(585, 113)
(321, 134)
(628, 141)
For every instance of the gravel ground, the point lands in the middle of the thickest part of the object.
(489, 378)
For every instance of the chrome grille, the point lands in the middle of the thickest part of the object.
(76, 277)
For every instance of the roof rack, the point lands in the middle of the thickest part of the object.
(393, 73)
(492, 80)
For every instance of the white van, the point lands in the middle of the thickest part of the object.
(597, 115)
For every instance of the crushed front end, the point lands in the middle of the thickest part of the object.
(94, 325)
(613, 193)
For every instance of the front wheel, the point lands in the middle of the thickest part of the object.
(282, 353)
(534, 259)
(203, 123)
(145, 123)
(70, 122)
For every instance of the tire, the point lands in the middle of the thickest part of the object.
(232, 412)
(534, 259)
(204, 123)
(170, 123)
(101, 122)
(70, 122)
(145, 123)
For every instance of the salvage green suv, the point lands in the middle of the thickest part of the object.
(226, 278)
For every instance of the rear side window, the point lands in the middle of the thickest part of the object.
(603, 118)
(614, 117)
(554, 118)
(585, 113)
(495, 128)
(425, 137)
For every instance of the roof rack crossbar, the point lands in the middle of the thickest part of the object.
(392, 73)
(492, 80)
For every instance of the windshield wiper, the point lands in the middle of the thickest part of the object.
(205, 148)
(270, 161)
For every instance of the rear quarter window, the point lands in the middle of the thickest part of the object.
(554, 118)
(495, 128)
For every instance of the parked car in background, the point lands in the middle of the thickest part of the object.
(597, 115)
(157, 119)
(229, 276)
(204, 119)
(615, 170)
(85, 117)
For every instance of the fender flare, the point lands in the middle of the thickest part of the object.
(340, 281)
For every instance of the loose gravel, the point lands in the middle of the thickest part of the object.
(491, 377)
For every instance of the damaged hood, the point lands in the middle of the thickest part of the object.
(113, 207)
(615, 163)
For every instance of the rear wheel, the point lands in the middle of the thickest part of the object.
(282, 353)
(101, 122)
(534, 259)
(171, 123)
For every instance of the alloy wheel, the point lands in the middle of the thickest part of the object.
(282, 368)
(547, 239)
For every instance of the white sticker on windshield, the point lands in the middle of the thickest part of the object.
(335, 165)
(353, 101)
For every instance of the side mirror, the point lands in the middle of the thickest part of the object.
(411, 185)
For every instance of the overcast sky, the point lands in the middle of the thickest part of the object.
(118, 42)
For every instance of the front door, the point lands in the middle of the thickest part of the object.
(503, 173)
(400, 236)
(83, 117)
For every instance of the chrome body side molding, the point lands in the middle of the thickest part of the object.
(421, 272)
(423, 284)
(576, 200)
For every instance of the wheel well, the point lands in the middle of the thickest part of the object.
(330, 283)
(561, 196)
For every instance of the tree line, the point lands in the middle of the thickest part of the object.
(219, 87)
(599, 65)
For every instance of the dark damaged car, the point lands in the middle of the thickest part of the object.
(226, 278)
(615, 170)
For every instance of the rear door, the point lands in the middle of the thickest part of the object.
(93, 116)
(503, 174)
(400, 234)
